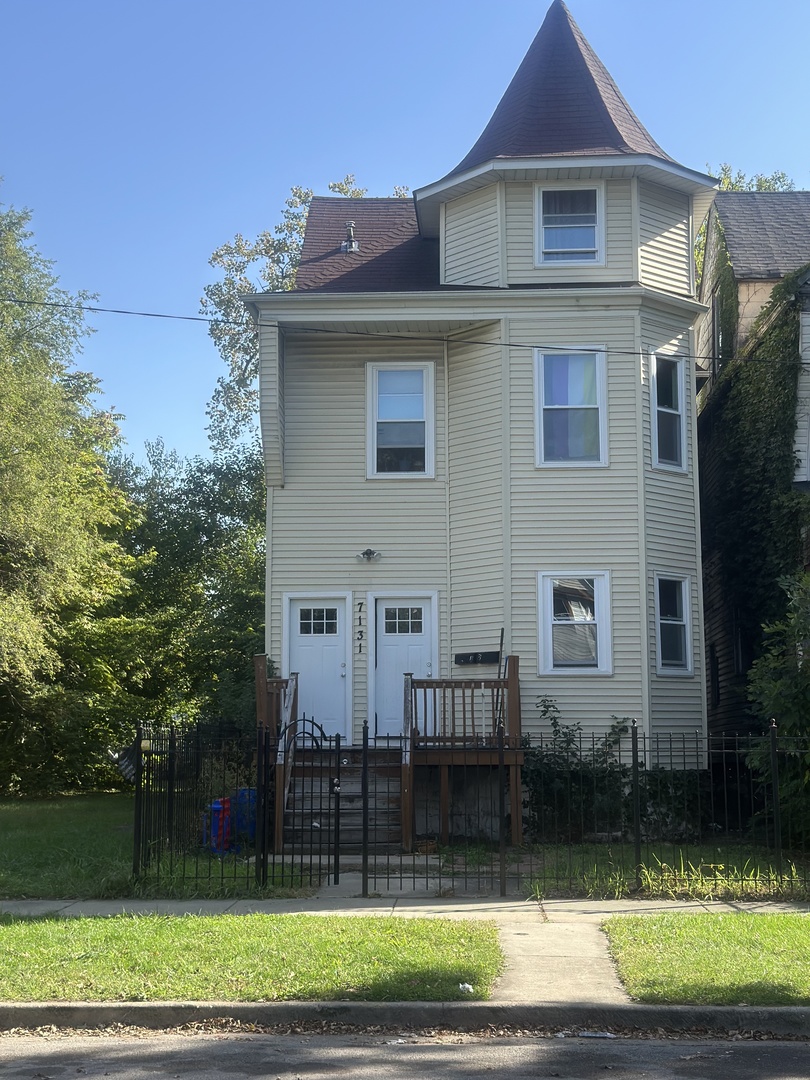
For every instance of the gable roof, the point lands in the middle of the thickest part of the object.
(767, 232)
(561, 102)
(392, 256)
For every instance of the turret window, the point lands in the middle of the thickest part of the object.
(570, 225)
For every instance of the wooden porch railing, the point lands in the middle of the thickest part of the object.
(464, 711)
(449, 720)
(270, 697)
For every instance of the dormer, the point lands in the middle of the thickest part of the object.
(565, 185)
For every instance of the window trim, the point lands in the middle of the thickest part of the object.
(668, 466)
(685, 582)
(599, 352)
(372, 371)
(599, 257)
(545, 610)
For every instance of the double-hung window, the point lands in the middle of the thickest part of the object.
(569, 225)
(571, 424)
(669, 414)
(574, 627)
(673, 625)
(400, 420)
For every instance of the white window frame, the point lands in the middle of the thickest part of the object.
(668, 466)
(598, 351)
(685, 583)
(545, 607)
(372, 372)
(599, 228)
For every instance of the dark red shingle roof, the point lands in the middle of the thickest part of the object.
(561, 102)
(393, 257)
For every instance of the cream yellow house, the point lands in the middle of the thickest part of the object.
(477, 411)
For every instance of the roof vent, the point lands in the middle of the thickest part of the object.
(350, 244)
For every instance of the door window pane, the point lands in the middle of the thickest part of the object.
(403, 620)
(317, 621)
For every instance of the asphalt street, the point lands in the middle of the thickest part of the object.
(396, 1057)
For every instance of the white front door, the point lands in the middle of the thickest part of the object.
(404, 643)
(318, 651)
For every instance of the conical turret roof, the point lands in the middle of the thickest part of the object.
(562, 102)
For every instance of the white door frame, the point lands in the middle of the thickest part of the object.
(320, 594)
(371, 605)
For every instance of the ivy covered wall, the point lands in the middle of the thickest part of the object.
(752, 515)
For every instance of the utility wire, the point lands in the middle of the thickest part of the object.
(369, 334)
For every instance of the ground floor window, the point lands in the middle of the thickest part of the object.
(574, 609)
(673, 625)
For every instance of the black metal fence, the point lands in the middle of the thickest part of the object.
(224, 813)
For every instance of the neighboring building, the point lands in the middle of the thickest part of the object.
(753, 427)
(477, 412)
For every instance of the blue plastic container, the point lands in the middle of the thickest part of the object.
(245, 813)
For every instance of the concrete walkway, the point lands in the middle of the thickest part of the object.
(558, 971)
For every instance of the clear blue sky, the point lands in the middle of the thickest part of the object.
(143, 135)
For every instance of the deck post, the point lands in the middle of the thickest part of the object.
(513, 699)
(262, 697)
(406, 773)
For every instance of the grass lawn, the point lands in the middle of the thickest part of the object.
(74, 846)
(713, 959)
(709, 871)
(246, 958)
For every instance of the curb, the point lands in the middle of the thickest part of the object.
(456, 1016)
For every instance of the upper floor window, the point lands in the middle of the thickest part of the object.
(669, 414)
(674, 630)
(575, 623)
(571, 412)
(400, 419)
(570, 225)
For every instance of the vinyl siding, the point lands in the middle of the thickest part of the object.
(271, 403)
(472, 239)
(328, 511)
(665, 239)
(521, 233)
(476, 477)
(677, 702)
(583, 519)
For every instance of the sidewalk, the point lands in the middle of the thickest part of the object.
(558, 971)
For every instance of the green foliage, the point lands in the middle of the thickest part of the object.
(578, 787)
(62, 567)
(199, 589)
(575, 786)
(752, 517)
(738, 181)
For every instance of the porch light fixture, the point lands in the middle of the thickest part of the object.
(369, 555)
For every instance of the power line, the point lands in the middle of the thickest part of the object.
(369, 334)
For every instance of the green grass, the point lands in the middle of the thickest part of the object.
(246, 958)
(70, 847)
(75, 847)
(713, 959)
(668, 871)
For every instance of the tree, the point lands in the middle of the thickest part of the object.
(61, 563)
(266, 264)
(200, 583)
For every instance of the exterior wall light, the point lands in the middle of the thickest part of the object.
(369, 555)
